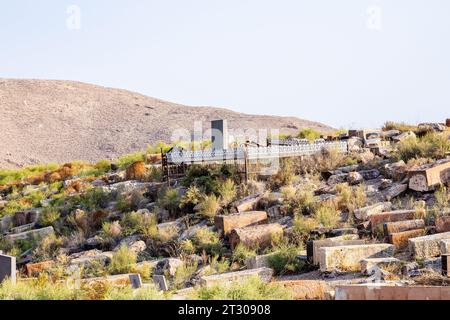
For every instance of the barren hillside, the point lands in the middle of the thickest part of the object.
(58, 121)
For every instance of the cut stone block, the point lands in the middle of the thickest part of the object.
(121, 280)
(255, 237)
(377, 220)
(7, 268)
(161, 282)
(443, 224)
(400, 226)
(314, 246)
(257, 262)
(265, 274)
(395, 191)
(6, 223)
(32, 234)
(446, 265)
(426, 177)
(427, 246)
(348, 258)
(225, 224)
(400, 239)
(366, 212)
(247, 204)
(91, 258)
(370, 265)
(378, 291)
(306, 289)
(445, 246)
(24, 228)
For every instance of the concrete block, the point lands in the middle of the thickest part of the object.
(257, 262)
(348, 258)
(427, 246)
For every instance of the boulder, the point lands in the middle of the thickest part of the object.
(257, 262)
(133, 243)
(369, 266)
(169, 266)
(370, 174)
(354, 178)
(443, 224)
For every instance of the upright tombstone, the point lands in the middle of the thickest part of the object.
(446, 265)
(219, 134)
(7, 268)
(161, 282)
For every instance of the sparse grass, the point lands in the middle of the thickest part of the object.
(184, 274)
(432, 145)
(45, 289)
(111, 230)
(400, 126)
(251, 289)
(304, 225)
(327, 216)
(10, 176)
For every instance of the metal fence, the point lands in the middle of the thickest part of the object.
(253, 153)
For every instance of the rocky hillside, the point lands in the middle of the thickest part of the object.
(58, 121)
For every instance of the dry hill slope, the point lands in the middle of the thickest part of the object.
(56, 121)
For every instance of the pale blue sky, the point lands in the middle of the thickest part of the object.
(315, 59)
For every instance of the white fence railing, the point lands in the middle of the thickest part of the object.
(253, 153)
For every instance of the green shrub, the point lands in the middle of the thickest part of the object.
(304, 225)
(170, 201)
(49, 216)
(209, 206)
(127, 160)
(309, 134)
(208, 241)
(191, 198)
(286, 259)
(241, 253)
(123, 261)
(227, 191)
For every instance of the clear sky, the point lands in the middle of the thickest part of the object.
(345, 63)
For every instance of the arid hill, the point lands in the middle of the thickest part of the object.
(45, 121)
